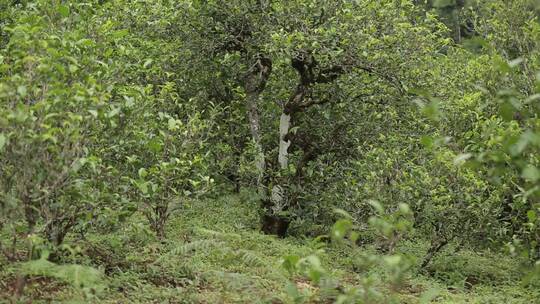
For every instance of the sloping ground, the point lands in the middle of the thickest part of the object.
(215, 254)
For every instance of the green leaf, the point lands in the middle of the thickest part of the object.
(171, 124)
(342, 213)
(113, 112)
(502, 65)
(376, 205)
(63, 10)
(531, 215)
(404, 208)
(531, 173)
(427, 141)
(507, 110)
(143, 187)
(120, 34)
(147, 63)
(86, 42)
(93, 113)
(73, 68)
(315, 271)
(392, 260)
(293, 130)
(340, 228)
(22, 90)
(155, 145)
(290, 263)
(294, 293)
(354, 236)
(431, 110)
(521, 144)
(462, 158)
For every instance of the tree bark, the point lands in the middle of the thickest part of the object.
(284, 143)
(254, 125)
(273, 223)
(254, 84)
(305, 64)
(436, 246)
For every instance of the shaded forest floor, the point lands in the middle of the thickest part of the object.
(215, 254)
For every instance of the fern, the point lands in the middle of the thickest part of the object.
(200, 245)
(81, 277)
(218, 234)
(249, 258)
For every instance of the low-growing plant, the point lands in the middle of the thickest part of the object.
(369, 288)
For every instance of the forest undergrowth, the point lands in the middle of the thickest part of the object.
(214, 254)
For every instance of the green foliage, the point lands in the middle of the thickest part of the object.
(87, 279)
(465, 269)
(125, 125)
(513, 154)
(168, 162)
(140, 270)
(343, 233)
(46, 125)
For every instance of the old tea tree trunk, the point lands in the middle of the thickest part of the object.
(272, 221)
(254, 84)
(277, 203)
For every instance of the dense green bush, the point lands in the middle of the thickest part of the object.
(417, 119)
(48, 92)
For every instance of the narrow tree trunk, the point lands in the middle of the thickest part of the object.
(255, 82)
(284, 143)
(436, 246)
(254, 125)
(273, 223)
(278, 192)
(20, 283)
